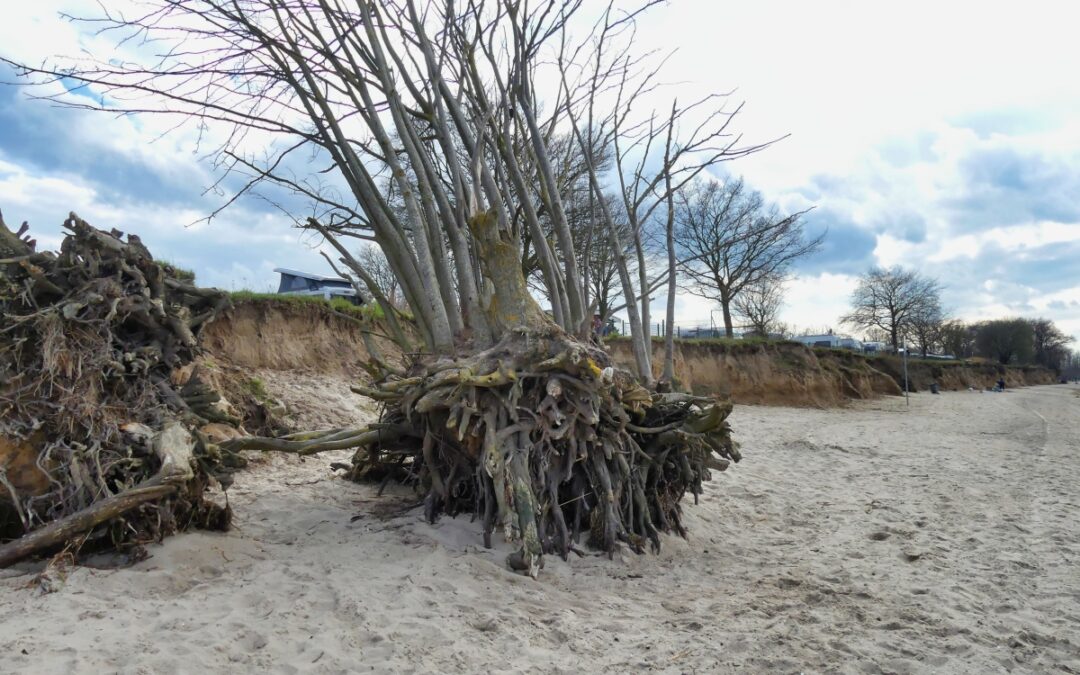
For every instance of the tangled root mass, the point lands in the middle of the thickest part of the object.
(541, 438)
(88, 340)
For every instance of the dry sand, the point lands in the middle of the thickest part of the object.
(943, 538)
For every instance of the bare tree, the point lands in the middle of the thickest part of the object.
(759, 305)
(891, 300)
(648, 195)
(426, 135)
(668, 375)
(377, 91)
(1051, 344)
(378, 268)
(1006, 341)
(925, 327)
(730, 240)
(643, 188)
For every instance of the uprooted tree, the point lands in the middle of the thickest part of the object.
(93, 430)
(427, 117)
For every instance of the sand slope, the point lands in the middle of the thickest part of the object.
(867, 539)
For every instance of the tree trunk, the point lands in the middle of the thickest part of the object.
(643, 281)
(669, 338)
(725, 304)
(65, 529)
(646, 314)
(511, 305)
(557, 214)
(639, 334)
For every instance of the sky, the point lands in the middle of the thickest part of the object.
(942, 137)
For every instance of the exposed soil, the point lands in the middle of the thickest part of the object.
(788, 373)
(769, 373)
(285, 336)
(952, 376)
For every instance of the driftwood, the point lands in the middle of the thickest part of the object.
(89, 337)
(69, 527)
(539, 437)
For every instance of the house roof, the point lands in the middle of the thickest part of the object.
(308, 275)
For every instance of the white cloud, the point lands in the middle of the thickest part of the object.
(237, 250)
(892, 251)
(816, 302)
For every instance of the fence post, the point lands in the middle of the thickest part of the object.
(907, 396)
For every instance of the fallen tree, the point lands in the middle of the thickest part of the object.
(426, 121)
(538, 435)
(95, 440)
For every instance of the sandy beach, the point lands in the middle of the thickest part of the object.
(876, 538)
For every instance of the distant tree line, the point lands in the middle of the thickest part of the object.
(904, 307)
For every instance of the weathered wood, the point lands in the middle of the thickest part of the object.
(351, 438)
(12, 245)
(541, 437)
(91, 337)
(61, 531)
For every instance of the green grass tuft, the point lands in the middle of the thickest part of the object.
(257, 388)
(341, 305)
(176, 271)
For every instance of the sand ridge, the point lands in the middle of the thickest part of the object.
(871, 538)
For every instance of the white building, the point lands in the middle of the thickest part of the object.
(305, 283)
(835, 341)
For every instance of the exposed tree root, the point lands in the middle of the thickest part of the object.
(90, 424)
(539, 437)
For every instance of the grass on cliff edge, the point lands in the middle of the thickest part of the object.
(914, 358)
(728, 344)
(372, 311)
(176, 271)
